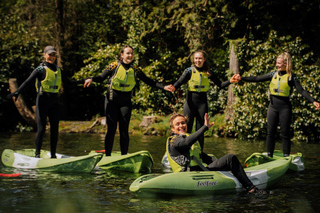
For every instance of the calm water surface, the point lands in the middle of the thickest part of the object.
(107, 191)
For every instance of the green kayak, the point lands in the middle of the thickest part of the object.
(297, 163)
(25, 159)
(209, 182)
(136, 162)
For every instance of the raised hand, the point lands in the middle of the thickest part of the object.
(207, 120)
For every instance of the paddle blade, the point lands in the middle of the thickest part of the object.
(10, 175)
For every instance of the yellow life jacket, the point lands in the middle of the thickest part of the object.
(123, 80)
(52, 81)
(195, 152)
(199, 81)
(279, 85)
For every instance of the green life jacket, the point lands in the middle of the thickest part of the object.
(279, 85)
(123, 80)
(199, 81)
(52, 81)
(195, 152)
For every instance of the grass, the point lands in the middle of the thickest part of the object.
(160, 128)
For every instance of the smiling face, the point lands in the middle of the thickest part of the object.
(281, 66)
(127, 55)
(198, 59)
(179, 125)
(50, 58)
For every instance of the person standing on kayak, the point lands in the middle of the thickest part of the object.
(122, 75)
(197, 76)
(48, 83)
(281, 85)
(184, 153)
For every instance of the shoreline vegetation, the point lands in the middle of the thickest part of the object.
(156, 125)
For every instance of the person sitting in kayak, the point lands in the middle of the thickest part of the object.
(184, 153)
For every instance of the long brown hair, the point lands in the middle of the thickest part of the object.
(122, 50)
(205, 64)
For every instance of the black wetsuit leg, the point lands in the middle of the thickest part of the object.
(118, 110)
(272, 123)
(280, 110)
(231, 163)
(124, 120)
(195, 107)
(47, 105)
(54, 127)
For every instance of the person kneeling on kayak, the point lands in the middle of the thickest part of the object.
(184, 153)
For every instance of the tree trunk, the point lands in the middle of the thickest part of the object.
(59, 25)
(24, 111)
(234, 66)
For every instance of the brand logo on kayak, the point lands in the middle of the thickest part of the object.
(206, 183)
(23, 164)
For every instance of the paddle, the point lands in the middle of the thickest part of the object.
(100, 151)
(10, 175)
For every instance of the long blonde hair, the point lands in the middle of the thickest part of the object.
(286, 57)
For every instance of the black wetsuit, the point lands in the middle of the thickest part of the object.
(196, 105)
(279, 110)
(119, 108)
(181, 144)
(47, 105)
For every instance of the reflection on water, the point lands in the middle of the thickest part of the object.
(108, 191)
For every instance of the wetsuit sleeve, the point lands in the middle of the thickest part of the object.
(39, 73)
(141, 76)
(184, 78)
(106, 73)
(301, 90)
(217, 82)
(186, 142)
(266, 77)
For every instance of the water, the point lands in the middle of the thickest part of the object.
(108, 191)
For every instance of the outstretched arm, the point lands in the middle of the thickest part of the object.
(266, 77)
(37, 73)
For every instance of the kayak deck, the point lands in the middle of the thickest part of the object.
(297, 162)
(136, 162)
(24, 159)
(209, 182)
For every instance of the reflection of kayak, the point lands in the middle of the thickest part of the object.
(297, 163)
(10, 175)
(209, 182)
(136, 162)
(63, 163)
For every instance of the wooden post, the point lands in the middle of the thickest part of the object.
(24, 111)
(234, 66)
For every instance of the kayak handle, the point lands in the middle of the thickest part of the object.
(203, 177)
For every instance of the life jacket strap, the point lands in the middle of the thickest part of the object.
(199, 163)
(197, 86)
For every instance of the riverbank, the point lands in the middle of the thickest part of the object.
(160, 126)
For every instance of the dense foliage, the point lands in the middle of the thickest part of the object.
(89, 34)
